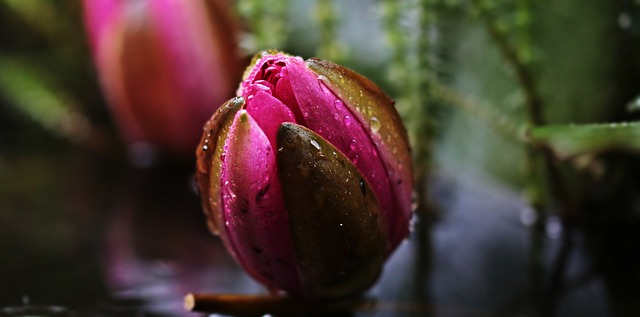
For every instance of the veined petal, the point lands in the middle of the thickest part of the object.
(338, 234)
(376, 112)
(254, 213)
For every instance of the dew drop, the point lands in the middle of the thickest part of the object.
(205, 148)
(355, 159)
(336, 116)
(347, 120)
(375, 124)
(363, 188)
(338, 104)
(353, 144)
(315, 144)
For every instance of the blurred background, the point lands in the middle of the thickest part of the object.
(522, 117)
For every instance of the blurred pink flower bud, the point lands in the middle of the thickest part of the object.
(164, 66)
(307, 176)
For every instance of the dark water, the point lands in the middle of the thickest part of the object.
(86, 235)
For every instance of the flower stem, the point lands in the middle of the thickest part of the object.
(510, 53)
(411, 73)
(258, 305)
(545, 180)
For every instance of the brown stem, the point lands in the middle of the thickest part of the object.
(259, 305)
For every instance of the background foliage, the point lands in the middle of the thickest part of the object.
(541, 97)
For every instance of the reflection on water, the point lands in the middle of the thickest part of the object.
(26, 309)
(104, 239)
(156, 247)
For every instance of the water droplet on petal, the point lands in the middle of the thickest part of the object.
(339, 104)
(347, 120)
(375, 124)
(282, 72)
(352, 145)
(315, 144)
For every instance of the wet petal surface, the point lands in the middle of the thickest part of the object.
(337, 230)
(254, 212)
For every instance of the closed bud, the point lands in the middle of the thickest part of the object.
(307, 176)
(164, 66)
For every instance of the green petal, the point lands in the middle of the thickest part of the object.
(337, 230)
(376, 111)
(209, 163)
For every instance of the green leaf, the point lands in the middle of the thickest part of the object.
(568, 141)
(35, 93)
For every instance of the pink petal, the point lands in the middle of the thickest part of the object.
(269, 113)
(376, 111)
(99, 17)
(193, 45)
(253, 206)
(326, 114)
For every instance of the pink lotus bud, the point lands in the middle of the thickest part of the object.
(307, 176)
(164, 65)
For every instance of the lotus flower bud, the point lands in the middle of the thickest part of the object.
(164, 66)
(306, 175)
